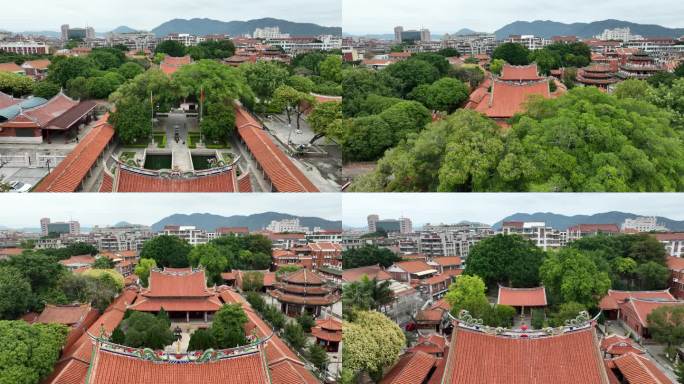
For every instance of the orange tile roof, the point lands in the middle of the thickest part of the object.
(448, 260)
(675, 263)
(112, 368)
(64, 314)
(70, 173)
(522, 297)
(643, 308)
(10, 67)
(53, 109)
(303, 276)
(127, 180)
(612, 228)
(7, 100)
(669, 236)
(37, 64)
(330, 323)
(437, 279)
(244, 183)
(433, 344)
(81, 259)
(172, 64)
(171, 283)
(413, 266)
(506, 98)
(614, 297)
(107, 183)
(570, 358)
(11, 251)
(412, 368)
(278, 167)
(638, 369)
(520, 72)
(372, 271)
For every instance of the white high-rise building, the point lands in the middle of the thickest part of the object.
(269, 33)
(619, 34)
(397, 33)
(286, 225)
(405, 225)
(425, 35)
(373, 223)
(642, 224)
(44, 222)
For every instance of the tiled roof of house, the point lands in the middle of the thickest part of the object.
(303, 276)
(506, 98)
(64, 314)
(128, 180)
(446, 261)
(10, 67)
(70, 173)
(112, 368)
(7, 100)
(520, 72)
(172, 64)
(675, 263)
(522, 297)
(638, 369)
(37, 64)
(278, 167)
(611, 228)
(437, 279)
(414, 266)
(54, 108)
(619, 345)
(76, 260)
(642, 308)
(669, 236)
(372, 271)
(412, 368)
(69, 117)
(171, 283)
(571, 357)
(614, 297)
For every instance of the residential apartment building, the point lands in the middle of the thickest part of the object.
(184, 38)
(530, 41)
(269, 33)
(25, 47)
(673, 242)
(539, 233)
(188, 233)
(473, 44)
(582, 230)
(286, 225)
(642, 224)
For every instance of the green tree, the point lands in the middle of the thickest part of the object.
(131, 120)
(68, 68)
(366, 294)
(635, 89)
(360, 83)
(496, 66)
(406, 117)
(107, 58)
(103, 263)
(309, 60)
(209, 257)
(142, 269)
(29, 352)
(566, 311)
(468, 293)
(294, 334)
(509, 260)
(212, 49)
(301, 83)
(77, 88)
(652, 276)
(145, 330)
(512, 53)
(368, 139)
(167, 251)
(252, 281)
(228, 326)
(14, 84)
(45, 89)
(445, 94)
(317, 356)
(661, 78)
(286, 98)
(16, 290)
(256, 301)
(372, 343)
(307, 321)
(323, 115)
(471, 75)
(171, 48)
(201, 340)
(331, 68)
(666, 325)
(449, 52)
(264, 78)
(368, 255)
(412, 73)
(130, 70)
(219, 121)
(545, 59)
(571, 276)
(435, 59)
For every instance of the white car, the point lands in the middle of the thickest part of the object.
(18, 186)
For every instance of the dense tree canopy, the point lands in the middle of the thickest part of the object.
(583, 141)
(371, 343)
(264, 78)
(445, 94)
(509, 260)
(211, 259)
(367, 294)
(171, 48)
(145, 330)
(16, 293)
(167, 251)
(666, 325)
(29, 352)
(228, 326)
(132, 120)
(212, 49)
(358, 84)
(63, 69)
(15, 84)
(412, 73)
(45, 89)
(250, 252)
(142, 269)
(571, 276)
(368, 255)
(512, 53)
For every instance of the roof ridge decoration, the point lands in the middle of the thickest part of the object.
(467, 321)
(256, 345)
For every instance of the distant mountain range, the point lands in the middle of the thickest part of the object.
(236, 28)
(210, 26)
(547, 29)
(254, 222)
(563, 222)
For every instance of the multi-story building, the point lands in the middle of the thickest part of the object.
(618, 34)
(188, 233)
(405, 225)
(398, 30)
(372, 223)
(269, 33)
(425, 35)
(324, 236)
(184, 38)
(642, 224)
(25, 47)
(286, 225)
(62, 227)
(673, 243)
(471, 44)
(539, 233)
(583, 230)
(295, 45)
(134, 41)
(532, 42)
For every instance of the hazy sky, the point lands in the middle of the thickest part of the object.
(105, 15)
(491, 207)
(380, 16)
(19, 210)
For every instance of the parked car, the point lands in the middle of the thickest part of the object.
(18, 186)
